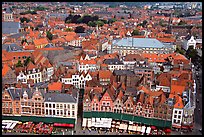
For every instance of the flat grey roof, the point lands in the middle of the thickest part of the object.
(10, 27)
(59, 97)
(138, 42)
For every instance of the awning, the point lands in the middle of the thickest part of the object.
(148, 130)
(93, 119)
(153, 127)
(84, 123)
(130, 122)
(130, 127)
(139, 128)
(63, 125)
(93, 123)
(135, 128)
(143, 129)
(121, 126)
(125, 126)
(89, 123)
(167, 130)
(98, 119)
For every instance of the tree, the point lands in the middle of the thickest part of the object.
(100, 23)
(19, 64)
(135, 32)
(181, 23)
(110, 21)
(49, 35)
(23, 40)
(68, 30)
(144, 22)
(79, 29)
(24, 19)
(192, 53)
(92, 23)
(26, 62)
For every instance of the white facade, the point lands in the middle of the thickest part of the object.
(36, 76)
(86, 67)
(164, 88)
(61, 109)
(50, 72)
(116, 67)
(22, 77)
(79, 81)
(188, 43)
(177, 117)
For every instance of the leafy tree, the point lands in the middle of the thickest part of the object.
(181, 23)
(100, 23)
(192, 53)
(68, 30)
(144, 22)
(24, 19)
(110, 21)
(19, 64)
(135, 32)
(49, 35)
(23, 40)
(92, 23)
(26, 62)
(79, 29)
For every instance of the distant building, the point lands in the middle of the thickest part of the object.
(139, 45)
(10, 27)
(8, 14)
(189, 41)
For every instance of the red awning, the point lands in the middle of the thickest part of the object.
(153, 127)
(167, 130)
(63, 125)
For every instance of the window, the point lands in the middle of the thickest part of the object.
(178, 121)
(175, 116)
(73, 106)
(50, 106)
(68, 106)
(179, 117)
(73, 113)
(174, 120)
(179, 112)
(176, 111)
(53, 105)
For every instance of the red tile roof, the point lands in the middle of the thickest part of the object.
(40, 41)
(55, 86)
(105, 74)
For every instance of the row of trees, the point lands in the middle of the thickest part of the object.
(34, 10)
(92, 21)
(28, 12)
(26, 62)
(24, 19)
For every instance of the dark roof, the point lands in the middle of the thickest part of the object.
(59, 97)
(49, 46)
(11, 47)
(123, 72)
(113, 62)
(102, 12)
(8, 10)
(188, 37)
(10, 27)
(18, 92)
(18, 35)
